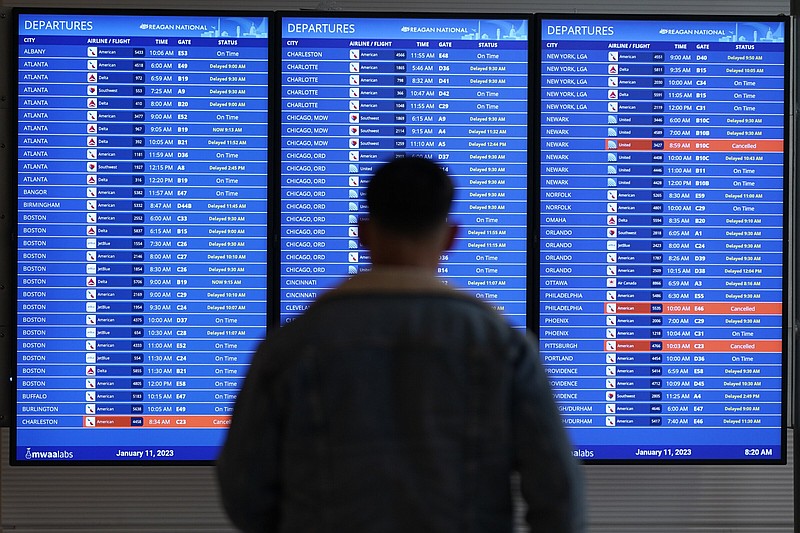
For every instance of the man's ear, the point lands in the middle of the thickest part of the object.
(450, 237)
(364, 233)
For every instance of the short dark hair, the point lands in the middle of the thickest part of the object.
(410, 196)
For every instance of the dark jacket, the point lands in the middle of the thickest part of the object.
(397, 405)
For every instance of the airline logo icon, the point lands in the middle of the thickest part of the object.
(91, 281)
(91, 141)
(91, 370)
(91, 192)
(354, 105)
(611, 408)
(88, 422)
(91, 395)
(91, 307)
(91, 103)
(355, 67)
(353, 181)
(91, 115)
(613, 81)
(91, 179)
(354, 79)
(611, 358)
(611, 421)
(91, 166)
(613, 94)
(354, 92)
(91, 268)
(91, 64)
(355, 130)
(91, 243)
(91, 153)
(355, 54)
(613, 56)
(91, 90)
(613, 69)
(91, 77)
(91, 205)
(352, 257)
(354, 143)
(91, 128)
(91, 294)
(354, 118)
(91, 51)
(91, 383)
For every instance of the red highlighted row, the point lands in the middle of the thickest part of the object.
(194, 421)
(694, 308)
(699, 145)
(728, 346)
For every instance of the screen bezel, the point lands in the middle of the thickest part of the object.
(536, 179)
(13, 194)
(532, 236)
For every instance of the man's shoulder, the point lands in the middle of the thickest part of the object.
(361, 314)
(418, 301)
(349, 322)
(379, 306)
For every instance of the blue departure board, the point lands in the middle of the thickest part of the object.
(662, 261)
(142, 231)
(357, 91)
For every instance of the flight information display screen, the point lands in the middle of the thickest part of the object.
(142, 231)
(662, 266)
(359, 91)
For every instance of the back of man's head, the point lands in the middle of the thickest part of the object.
(409, 196)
